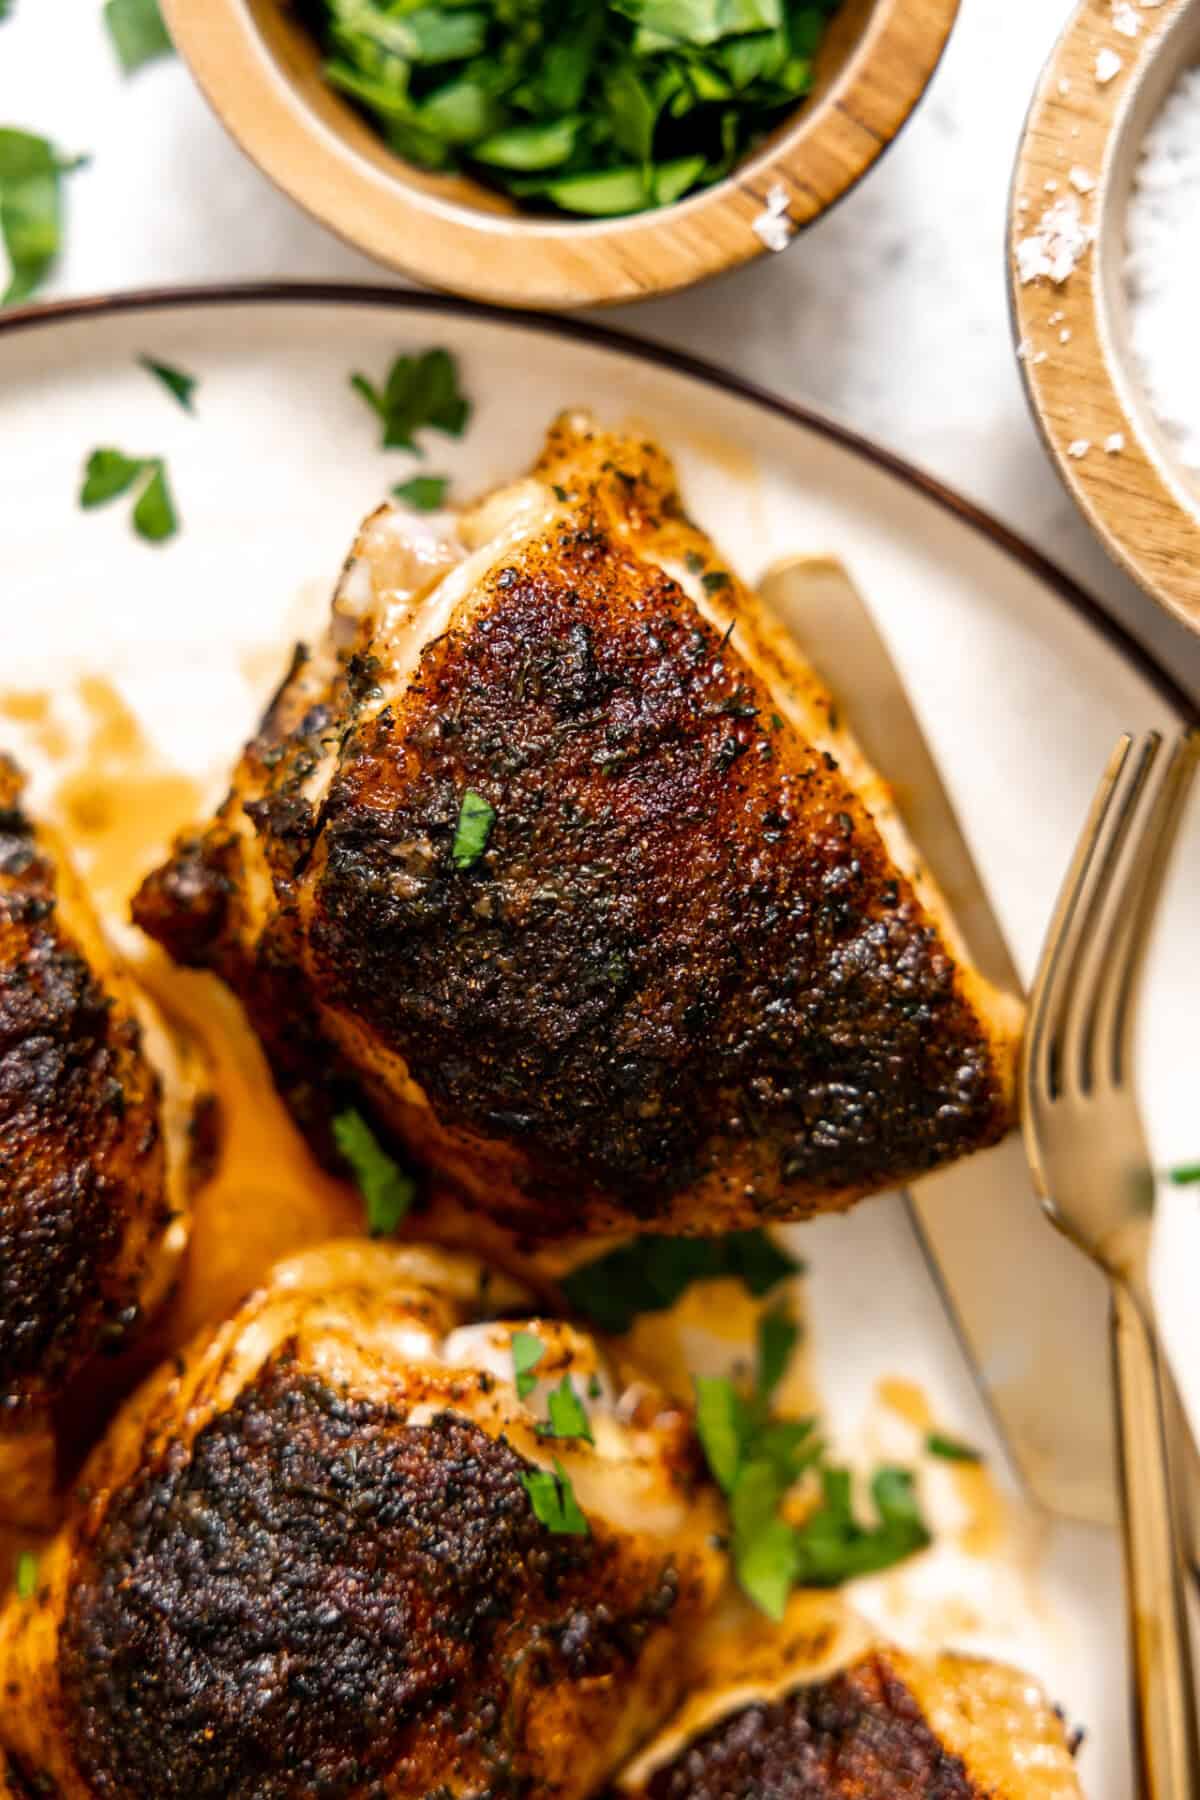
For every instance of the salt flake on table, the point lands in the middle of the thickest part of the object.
(1108, 65)
(1056, 246)
(1125, 20)
(1079, 448)
(1114, 443)
(1081, 180)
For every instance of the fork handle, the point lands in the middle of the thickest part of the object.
(1165, 1734)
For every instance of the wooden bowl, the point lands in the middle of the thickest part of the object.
(1074, 339)
(262, 73)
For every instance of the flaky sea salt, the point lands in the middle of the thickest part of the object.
(1125, 20)
(1081, 180)
(774, 226)
(1055, 247)
(1108, 65)
(1114, 443)
(1079, 448)
(1163, 266)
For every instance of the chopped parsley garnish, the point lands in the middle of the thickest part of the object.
(553, 1501)
(568, 1417)
(6, 9)
(178, 384)
(110, 473)
(419, 391)
(833, 1547)
(425, 493)
(757, 1458)
(137, 31)
(650, 1275)
(527, 1353)
(27, 1574)
(951, 1449)
(475, 818)
(31, 172)
(388, 1190)
(1185, 1174)
(596, 107)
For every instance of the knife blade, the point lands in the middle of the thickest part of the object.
(1030, 1314)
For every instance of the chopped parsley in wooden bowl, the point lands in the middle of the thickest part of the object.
(562, 153)
(594, 107)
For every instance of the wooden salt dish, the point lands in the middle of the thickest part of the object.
(1081, 145)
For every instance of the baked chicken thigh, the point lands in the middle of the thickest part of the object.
(93, 1148)
(821, 1710)
(334, 1550)
(556, 844)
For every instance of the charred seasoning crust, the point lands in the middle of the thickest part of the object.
(81, 1154)
(317, 1598)
(685, 933)
(859, 1736)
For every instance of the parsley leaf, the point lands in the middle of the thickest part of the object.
(27, 1574)
(568, 1416)
(419, 391)
(527, 1353)
(154, 515)
(723, 1427)
(137, 32)
(425, 493)
(1185, 1174)
(650, 1275)
(109, 473)
(475, 819)
(181, 386)
(951, 1449)
(31, 172)
(833, 1547)
(777, 1335)
(387, 1189)
(553, 1501)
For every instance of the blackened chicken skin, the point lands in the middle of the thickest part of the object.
(305, 1560)
(820, 1710)
(694, 979)
(92, 1147)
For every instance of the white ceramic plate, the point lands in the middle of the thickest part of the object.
(1020, 689)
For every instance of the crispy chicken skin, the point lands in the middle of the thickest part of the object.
(304, 1560)
(92, 1145)
(694, 979)
(821, 1711)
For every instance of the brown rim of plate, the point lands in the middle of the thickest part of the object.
(261, 75)
(327, 293)
(1073, 339)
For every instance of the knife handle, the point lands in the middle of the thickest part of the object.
(1167, 1750)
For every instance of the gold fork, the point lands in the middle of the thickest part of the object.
(1088, 1153)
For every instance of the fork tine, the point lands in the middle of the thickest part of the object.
(1124, 938)
(1100, 909)
(1052, 983)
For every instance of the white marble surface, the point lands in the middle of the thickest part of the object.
(890, 314)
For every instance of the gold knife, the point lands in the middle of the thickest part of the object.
(1030, 1313)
